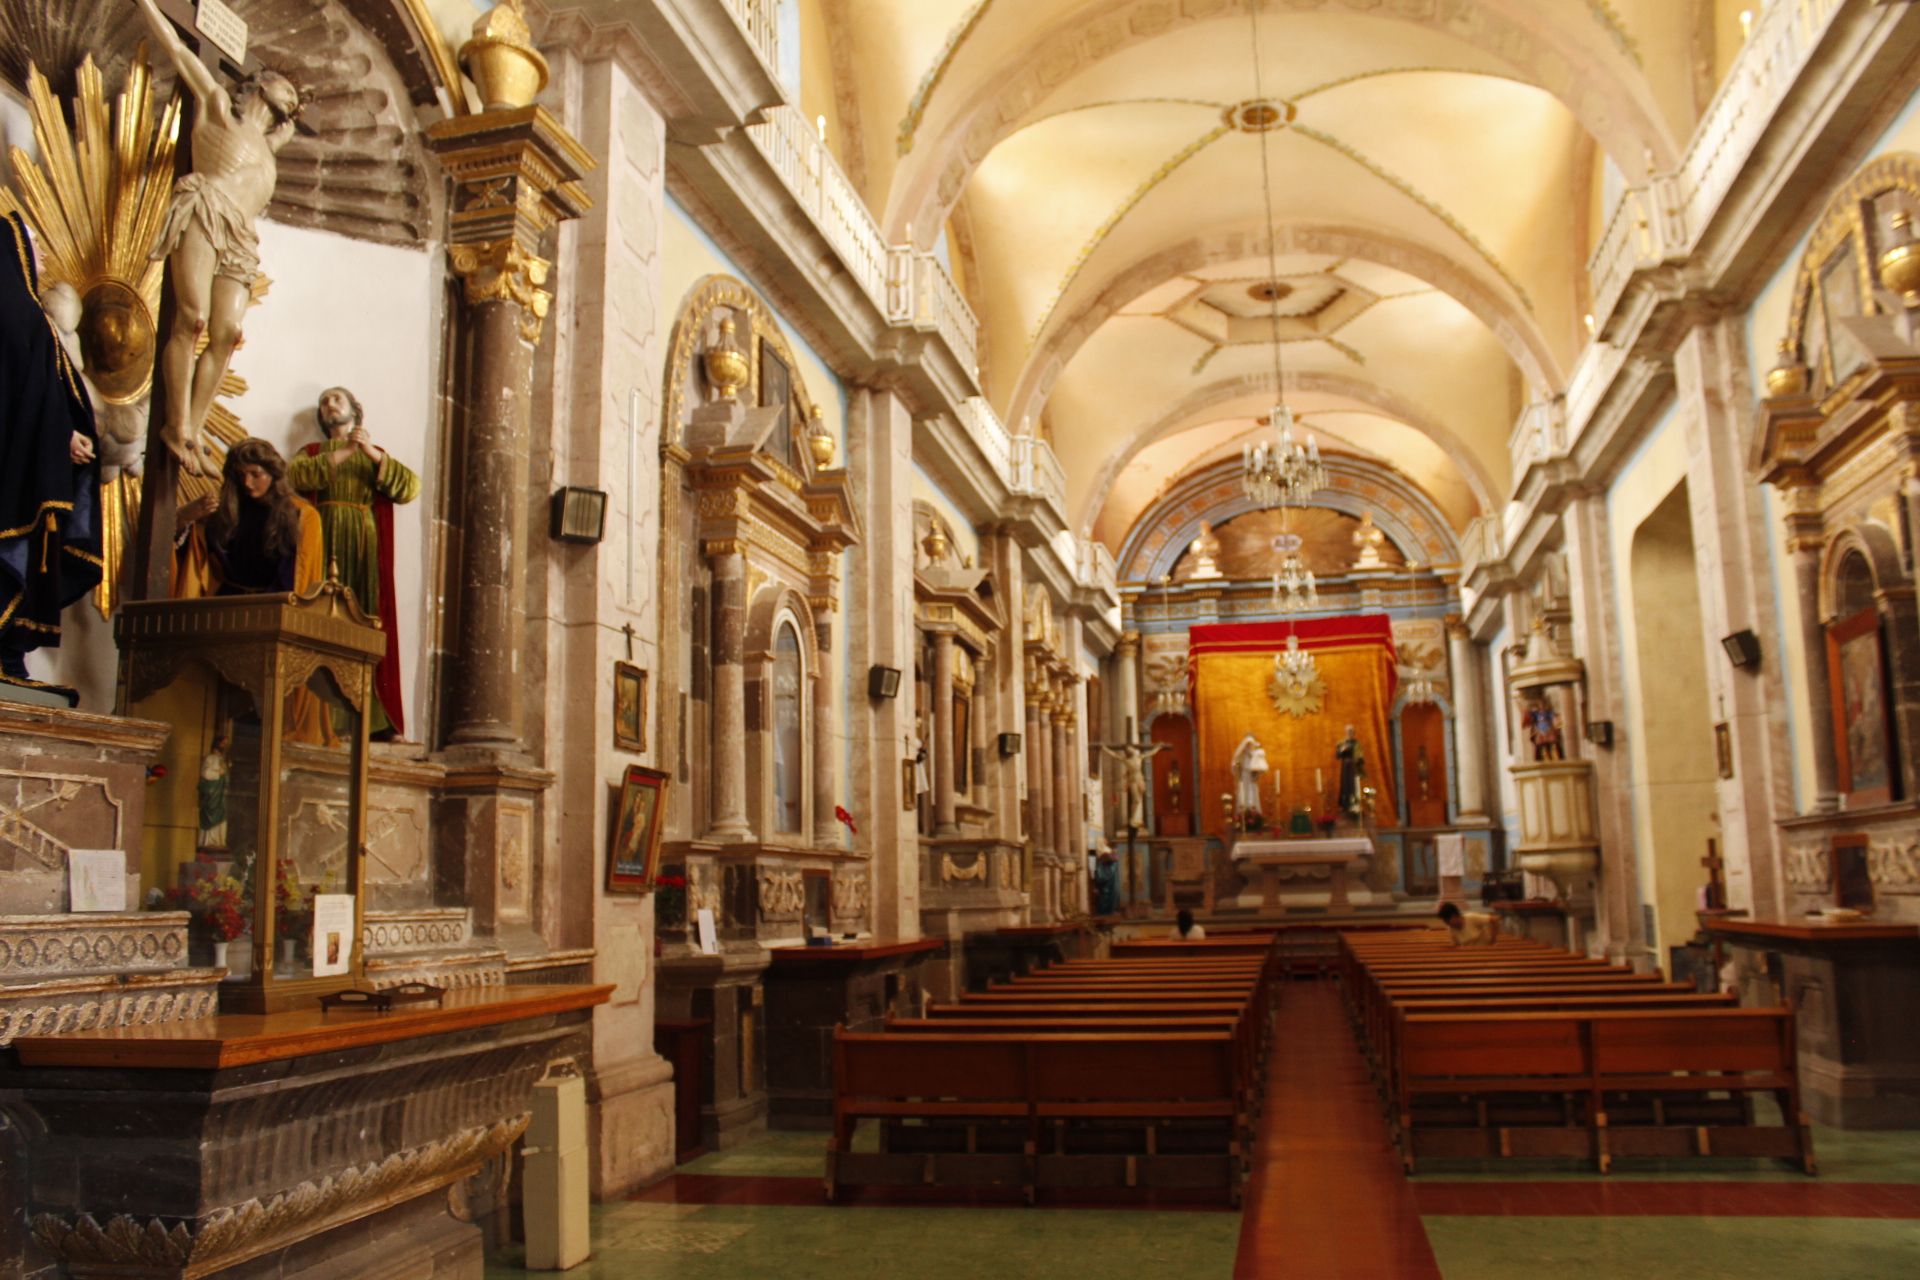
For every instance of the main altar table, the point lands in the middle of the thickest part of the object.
(1271, 858)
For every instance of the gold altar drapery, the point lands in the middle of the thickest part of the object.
(1230, 700)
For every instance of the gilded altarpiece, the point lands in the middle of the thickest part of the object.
(1839, 441)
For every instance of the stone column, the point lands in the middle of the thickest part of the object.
(729, 693)
(827, 713)
(516, 174)
(1044, 832)
(1469, 727)
(1031, 760)
(1064, 799)
(1127, 719)
(942, 747)
(881, 633)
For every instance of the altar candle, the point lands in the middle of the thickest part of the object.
(1319, 784)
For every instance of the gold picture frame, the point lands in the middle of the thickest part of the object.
(629, 707)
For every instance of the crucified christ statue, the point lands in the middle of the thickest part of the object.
(1133, 758)
(212, 251)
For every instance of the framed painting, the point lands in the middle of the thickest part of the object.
(776, 392)
(629, 707)
(1856, 672)
(1852, 874)
(1723, 748)
(633, 856)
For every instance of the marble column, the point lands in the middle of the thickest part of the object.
(942, 748)
(1127, 720)
(516, 174)
(729, 693)
(1030, 755)
(1064, 799)
(1805, 550)
(1469, 725)
(826, 730)
(1043, 804)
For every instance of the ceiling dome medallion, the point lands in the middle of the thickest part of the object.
(1260, 115)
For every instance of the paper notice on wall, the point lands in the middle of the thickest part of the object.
(96, 880)
(333, 939)
(225, 28)
(709, 932)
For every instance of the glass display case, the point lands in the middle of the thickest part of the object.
(284, 681)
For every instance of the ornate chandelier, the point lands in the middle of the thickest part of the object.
(1281, 472)
(1293, 586)
(1421, 690)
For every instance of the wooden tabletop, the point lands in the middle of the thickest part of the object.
(852, 952)
(241, 1039)
(1813, 929)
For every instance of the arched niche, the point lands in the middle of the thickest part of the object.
(783, 662)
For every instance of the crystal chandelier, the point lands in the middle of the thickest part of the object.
(1281, 472)
(1293, 586)
(1295, 665)
(1421, 690)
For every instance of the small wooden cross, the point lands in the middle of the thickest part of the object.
(629, 632)
(1716, 887)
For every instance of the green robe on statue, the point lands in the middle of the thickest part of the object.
(345, 492)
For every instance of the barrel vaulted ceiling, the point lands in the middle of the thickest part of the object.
(1438, 169)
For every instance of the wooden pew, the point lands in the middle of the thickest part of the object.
(1034, 1112)
(1623, 1083)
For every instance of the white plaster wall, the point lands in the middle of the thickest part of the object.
(340, 312)
(1649, 476)
(367, 317)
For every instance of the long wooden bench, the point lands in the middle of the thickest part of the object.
(1611, 1083)
(1040, 1111)
(1520, 1050)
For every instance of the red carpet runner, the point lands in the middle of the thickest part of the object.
(1327, 1197)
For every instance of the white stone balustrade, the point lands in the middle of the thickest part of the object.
(760, 20)
(990, 434)
(1036, 472)
(1664, 219)
(1480, 544)
(810, 172)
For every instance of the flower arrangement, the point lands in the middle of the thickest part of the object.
(670, 901)
(217, 904)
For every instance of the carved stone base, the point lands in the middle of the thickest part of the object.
(288, 1160)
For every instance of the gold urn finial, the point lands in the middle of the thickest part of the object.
(506, 68)
(726, 363)
(820, 441)
(1900, 264)
(1788, 377)
(935, 544)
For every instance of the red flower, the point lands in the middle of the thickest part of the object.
(841, 813)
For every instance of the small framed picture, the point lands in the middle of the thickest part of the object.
(1723, 748)
(629, 707)
(633, 857)
(776, 388)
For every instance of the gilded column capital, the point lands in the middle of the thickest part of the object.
(501, 271)
(516, 174)
(1127, 645)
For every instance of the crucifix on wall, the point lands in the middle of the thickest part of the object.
(207, 44)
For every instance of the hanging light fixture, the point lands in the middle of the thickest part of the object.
(1282, 471)
(1293, 586)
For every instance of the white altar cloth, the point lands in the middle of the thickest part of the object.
(1269, 857)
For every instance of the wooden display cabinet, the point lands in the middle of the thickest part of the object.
(288, 680)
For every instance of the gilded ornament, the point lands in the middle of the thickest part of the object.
(727, 367)
(935, 544)
(1788, 377)
(820, 441)
(1900, 264)
(1298, 694)
(506, 68)
(501, 271)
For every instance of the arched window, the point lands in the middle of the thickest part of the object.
(789, 746)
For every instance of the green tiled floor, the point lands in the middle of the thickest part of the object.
(1856, 1155)
(1676, 1248)
(691, 1242)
